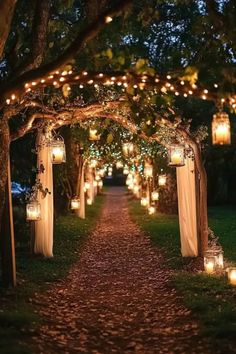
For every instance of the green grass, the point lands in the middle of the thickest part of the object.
(211, 299)
(17, 318)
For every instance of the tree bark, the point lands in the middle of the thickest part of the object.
(7, 8)
(4, 156)
(39, 34)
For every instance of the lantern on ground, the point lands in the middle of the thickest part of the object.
(176, 155)
(151, 210)
(144, 201)
(218, 254)
(58, 151)
(162, 180)
(232, 275)
(93, 134)
(128, 149)
(75, 203)
(89, 201)
(209, 264)
(221, 129)
(155, 195)
(33, 211)
(148, 170)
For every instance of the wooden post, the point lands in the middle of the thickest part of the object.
(7, 238)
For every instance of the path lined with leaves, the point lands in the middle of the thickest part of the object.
(118, 297)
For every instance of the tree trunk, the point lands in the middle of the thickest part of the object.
(6, 14)
(4, 156)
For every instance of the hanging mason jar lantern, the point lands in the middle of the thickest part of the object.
(155, 195)
(33, 211)
(93, 134)
(58, 151)
(95, 184)
(162, 180)
(136, 189)
(176, 155)
(109, 173)
(148, 170)
(75, 203)
(128, 148)
(221, 134)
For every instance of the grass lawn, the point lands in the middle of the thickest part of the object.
(17, 317)
(210, 298)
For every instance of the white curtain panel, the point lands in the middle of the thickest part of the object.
(44, 227)
(186, 187)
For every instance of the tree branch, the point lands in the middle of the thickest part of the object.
(17, 86)
(39, 33)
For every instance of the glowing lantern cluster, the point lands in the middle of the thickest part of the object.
(176, 155)
(58, 151)
(33, 211)
(221, 129)
(75, 203)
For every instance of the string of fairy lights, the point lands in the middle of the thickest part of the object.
(165, 84)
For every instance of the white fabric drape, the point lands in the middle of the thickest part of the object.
(82, 196)
(44, 227)
(186, 187)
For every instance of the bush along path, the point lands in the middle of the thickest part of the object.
(118, 298)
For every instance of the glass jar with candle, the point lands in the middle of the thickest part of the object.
(232, 275)
(209, 264)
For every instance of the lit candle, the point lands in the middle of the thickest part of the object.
(57, 154)
(222, 133)
(209, 267)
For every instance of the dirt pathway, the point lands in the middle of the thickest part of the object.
(117, 298)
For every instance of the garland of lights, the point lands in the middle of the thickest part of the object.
(165, 84)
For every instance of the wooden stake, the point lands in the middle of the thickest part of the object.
(7, 238)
